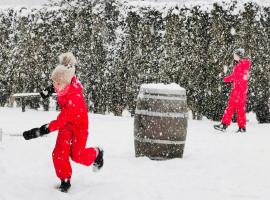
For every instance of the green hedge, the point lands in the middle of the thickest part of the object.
(120, 46)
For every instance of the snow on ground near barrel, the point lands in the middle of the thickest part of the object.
(215, 165)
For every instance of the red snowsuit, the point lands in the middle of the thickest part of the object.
(237, 100)
(72, 126)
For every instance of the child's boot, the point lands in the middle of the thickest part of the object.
(98, 163)
(220, 127)
(65, 185)
(241, 130)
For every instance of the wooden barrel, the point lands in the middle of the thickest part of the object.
(160, 122)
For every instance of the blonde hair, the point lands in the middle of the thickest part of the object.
(62, 74)
(67, 59)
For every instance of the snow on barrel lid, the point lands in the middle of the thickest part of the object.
(161, 88)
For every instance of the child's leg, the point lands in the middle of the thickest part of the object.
(79, 153)
(229, 111)
(241, 112)
(61, 154)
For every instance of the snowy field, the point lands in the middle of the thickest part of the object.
(215, 166)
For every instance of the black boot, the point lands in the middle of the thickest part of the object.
(241, 130)
(220, 127)
(98, 163)
(65, 185)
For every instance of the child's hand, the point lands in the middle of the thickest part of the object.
(47, 92)
(33, 133)
(36, 132)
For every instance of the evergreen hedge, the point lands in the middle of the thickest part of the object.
(119, 46)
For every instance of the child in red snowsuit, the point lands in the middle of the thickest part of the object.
(72, 126)
(237, 100)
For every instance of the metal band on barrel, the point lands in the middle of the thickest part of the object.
(157, 141)
(160, 114)
(174, 98)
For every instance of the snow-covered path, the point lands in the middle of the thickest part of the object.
(215, 166)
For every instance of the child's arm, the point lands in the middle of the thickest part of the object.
(229, 78)
(62, 119)
(36, 132)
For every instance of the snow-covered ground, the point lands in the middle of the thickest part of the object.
(214, 167)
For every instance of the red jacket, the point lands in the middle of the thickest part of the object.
(239, 76)
(73, 108)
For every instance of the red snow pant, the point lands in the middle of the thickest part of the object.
(237, 102)
(71, 144)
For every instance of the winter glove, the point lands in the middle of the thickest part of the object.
(47, 92)
(36, 132)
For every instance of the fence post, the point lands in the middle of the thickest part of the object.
(1, 133)
(23, 104)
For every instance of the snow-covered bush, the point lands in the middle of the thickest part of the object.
(120, 45)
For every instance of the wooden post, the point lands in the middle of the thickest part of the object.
(1, 133)
(23, 104)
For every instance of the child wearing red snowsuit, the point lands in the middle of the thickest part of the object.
(237, 100)
(238, 96)
(72, 126)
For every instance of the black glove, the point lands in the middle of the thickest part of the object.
(235, 62)
(47, 92)
(36, 132)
